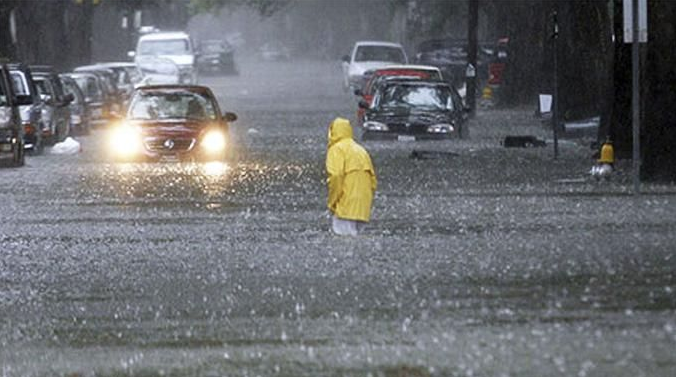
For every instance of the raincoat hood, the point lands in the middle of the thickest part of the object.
(340, 129)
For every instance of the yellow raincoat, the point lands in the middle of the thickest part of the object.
(351, 177)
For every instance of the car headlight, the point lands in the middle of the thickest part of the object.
(375, 126)
(441, 128)
(125, 140)
(213, 141)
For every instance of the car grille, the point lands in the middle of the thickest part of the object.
(412, 129)
(169, 145)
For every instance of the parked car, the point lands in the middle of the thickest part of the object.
(79, 117)
(414, 110)
(11, 131)
(216, 56)
(175, 46)
(158, 71)
(113, 97)
(370, 55)
(172, 122)
(377, 77)
(450, 55)
(127, 75)
(55, 114)
(94, 96)
(30, 106)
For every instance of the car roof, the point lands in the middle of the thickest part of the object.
(409, 82)
(43, 69)
(92, 67)
(116, 65)
(378, 43)
(191, 88)
(164, 35)
(412, 67)
(82, 74)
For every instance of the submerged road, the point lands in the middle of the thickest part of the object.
(479, 261)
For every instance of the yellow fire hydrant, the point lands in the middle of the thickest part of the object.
(605, 161)
(487, 93)
(607, 153)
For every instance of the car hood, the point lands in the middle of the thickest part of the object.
(417, 117)
(171, 128)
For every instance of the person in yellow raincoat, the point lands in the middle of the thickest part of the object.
(351, 180)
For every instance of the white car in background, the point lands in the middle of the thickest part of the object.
(370, 55)
(175, 46)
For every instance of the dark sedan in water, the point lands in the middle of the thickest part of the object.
(174, 123)
(413, 110)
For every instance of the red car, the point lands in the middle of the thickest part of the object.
(373, 79)
(172, 122)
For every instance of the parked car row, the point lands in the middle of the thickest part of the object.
(50, 106)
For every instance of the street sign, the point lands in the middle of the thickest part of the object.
(627, 13)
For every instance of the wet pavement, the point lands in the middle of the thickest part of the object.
(479, 261)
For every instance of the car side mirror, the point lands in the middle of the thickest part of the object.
(345, 58)
(363, 104)
(131, 54)
(230, 117)
(358, 92)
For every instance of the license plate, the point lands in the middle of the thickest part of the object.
(405, 138)
(5, 147)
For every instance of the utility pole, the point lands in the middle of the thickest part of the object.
(555, 97)
(472, 42)
(636, 98)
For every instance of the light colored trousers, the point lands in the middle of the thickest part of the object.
(344, 227)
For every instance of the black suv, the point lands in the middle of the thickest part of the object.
(11, 132)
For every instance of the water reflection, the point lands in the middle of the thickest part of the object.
(166, 182)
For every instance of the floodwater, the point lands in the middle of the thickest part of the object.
(483, 261)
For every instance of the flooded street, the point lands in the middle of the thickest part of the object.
(478, 261)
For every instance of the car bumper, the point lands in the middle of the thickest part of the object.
(397, 136)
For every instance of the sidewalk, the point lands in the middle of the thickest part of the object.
(536, 165)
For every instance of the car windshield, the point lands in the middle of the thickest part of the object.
(19, 84)
(69, 87)
(158, 105)
(89, 87)
(380, 53)
(3, 97)
(43, 87)
(165, 47)
(416, 97)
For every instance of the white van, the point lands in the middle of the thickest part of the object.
(175, 46)
(369, 55)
